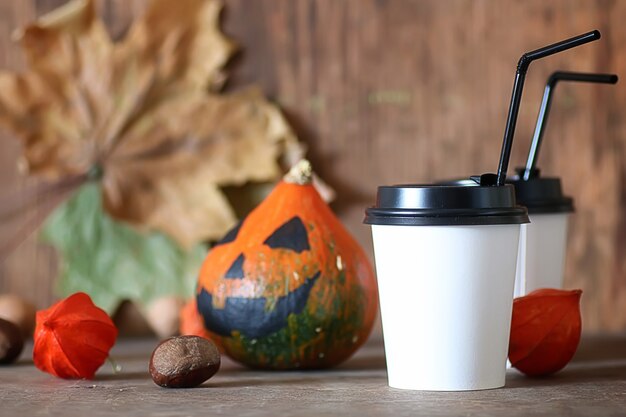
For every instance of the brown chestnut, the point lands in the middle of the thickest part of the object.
(184, 362)
(11, 342)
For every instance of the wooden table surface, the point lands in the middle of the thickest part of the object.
(594, 384)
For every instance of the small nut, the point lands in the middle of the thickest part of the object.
(11, 342)
(184, 362)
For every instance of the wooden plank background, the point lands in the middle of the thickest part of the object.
(413, 91)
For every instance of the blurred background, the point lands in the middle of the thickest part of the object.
(413, 91)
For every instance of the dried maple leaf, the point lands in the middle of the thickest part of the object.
(143, 115)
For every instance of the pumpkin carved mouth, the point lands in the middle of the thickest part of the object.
(250, 316)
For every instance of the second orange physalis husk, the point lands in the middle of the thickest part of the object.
(191, 323)
(545, 331)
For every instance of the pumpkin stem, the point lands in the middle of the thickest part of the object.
(301, 173)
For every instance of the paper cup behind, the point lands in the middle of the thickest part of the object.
(542, 253)
(542, 242)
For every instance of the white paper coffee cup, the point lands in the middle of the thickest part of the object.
(543, 245)
(446, 259)
(543, 242)
(446, 297)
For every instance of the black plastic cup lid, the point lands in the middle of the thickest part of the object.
(541, 195)
(463, 203)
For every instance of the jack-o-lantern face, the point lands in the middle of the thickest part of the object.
(288, 287)
(245, 309)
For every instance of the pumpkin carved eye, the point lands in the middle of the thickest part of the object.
(291, 235)
(236, 268)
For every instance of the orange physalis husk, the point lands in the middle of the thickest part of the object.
(545, 331)
(73, 338)
(191, 322)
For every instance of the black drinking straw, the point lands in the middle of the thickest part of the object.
(518, 86)
(530, 170)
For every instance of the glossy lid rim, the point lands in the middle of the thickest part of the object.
(445, 205)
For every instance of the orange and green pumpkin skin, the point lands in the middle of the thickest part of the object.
(289, 287)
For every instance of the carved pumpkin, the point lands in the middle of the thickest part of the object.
(288, 287)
